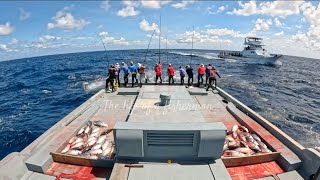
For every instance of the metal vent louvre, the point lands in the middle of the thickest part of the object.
(170, 139)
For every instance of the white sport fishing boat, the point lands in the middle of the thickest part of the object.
(253, 52)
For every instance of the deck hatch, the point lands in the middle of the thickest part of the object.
(169, 139)
(149, 141)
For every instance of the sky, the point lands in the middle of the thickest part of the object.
(36, 28)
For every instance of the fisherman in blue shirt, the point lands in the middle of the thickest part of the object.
(125, 70)
(134, 71)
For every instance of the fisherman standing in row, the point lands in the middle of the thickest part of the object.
(208, 68)
(182, 75)
(190, 75)
(125, 70)
(141, 71)
(200, 74)
(171, 74)
(212, 79)
(158, 70)
(112, 73)
(117, 66)
(133, 70)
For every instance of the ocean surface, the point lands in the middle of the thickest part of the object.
(37, 92)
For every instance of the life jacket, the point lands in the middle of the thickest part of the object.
(201, 70)
(170, 71)
(158, 71)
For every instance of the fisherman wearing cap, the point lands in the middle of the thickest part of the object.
(141, 71)
(170, 74)
(182, 75)
(133, 70)
(158, 70)
(200, 74)
(112, 73)
(212, 78)
(125, 70)
(208, 68)
(190, 75)
(117, 66)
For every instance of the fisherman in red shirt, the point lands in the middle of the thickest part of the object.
(170, 74)
(212, 78)
(200, 74)
(158, 70)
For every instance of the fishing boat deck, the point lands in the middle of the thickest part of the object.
(187, 105)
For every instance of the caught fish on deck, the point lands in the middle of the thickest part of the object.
(66, 149)
(100, 124)
(74, 152)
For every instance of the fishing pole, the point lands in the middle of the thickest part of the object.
(192, 44)
(104, 48)
(167, 47)
(159, 38)
(145, 58)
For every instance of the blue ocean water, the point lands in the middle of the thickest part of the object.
(37, 92)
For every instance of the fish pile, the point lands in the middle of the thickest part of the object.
(240, 143)
(90, 143)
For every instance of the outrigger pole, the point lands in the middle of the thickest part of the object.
(104, 48)
(145, 57)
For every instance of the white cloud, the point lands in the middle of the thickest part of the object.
(223, 32)
(5, 29)
(298, 26)
(279, 33)
(47, 38)
(262, 25)
(128, 11)
(131, 3)
(146, 26)
(4, 48)
(65, 20)
(105, 5)
(274, 8)
(246, 9)
(183, 4)
(153, 4)
(112, 40)
(277, 22)
(280, 8)
(103, 33)
(14, 41)
(199, 37)
(24, 15)
(221, 9)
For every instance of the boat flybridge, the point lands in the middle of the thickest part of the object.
(188, 133)
(253, 51)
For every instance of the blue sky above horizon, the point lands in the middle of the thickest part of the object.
(37, 28)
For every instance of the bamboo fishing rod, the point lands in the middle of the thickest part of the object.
(192, 44)
(145, 57)
(104, 48)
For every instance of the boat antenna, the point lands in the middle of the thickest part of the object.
(192, 45)
(145, 57)
(104, 46)
(159, 38)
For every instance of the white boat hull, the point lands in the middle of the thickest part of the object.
(256, 60)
